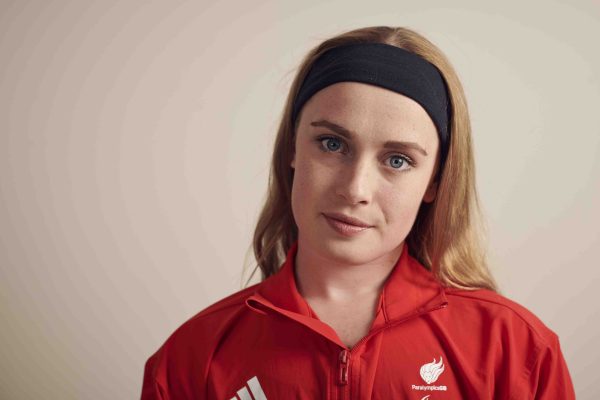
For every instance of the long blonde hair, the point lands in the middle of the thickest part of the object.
(448, 234)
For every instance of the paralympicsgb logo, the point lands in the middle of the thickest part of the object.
(431, 371)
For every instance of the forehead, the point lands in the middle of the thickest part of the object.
(370, 110)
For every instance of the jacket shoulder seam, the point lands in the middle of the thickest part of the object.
(517, 312)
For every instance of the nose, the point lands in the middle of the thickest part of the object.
(357, 181)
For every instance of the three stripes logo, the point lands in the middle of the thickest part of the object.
(250, 391)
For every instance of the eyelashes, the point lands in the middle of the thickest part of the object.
(323, 146)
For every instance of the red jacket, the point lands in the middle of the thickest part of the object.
(426, 342)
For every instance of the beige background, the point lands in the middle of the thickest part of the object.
(134, 147)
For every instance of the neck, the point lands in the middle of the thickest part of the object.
(320, 276)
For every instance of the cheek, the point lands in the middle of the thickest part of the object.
(310, 179)
(307, 187)
(401, 203)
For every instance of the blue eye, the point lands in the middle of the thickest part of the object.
(332, 140)
(332, 144)
(400, 161)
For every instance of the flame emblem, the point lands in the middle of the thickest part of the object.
(431, 371)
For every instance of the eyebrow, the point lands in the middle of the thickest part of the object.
(390, 144)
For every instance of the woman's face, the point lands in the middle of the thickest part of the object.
(360, 176)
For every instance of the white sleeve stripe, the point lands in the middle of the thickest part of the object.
(256, 389)
(243, 394)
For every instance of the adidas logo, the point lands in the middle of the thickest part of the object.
(251, 391)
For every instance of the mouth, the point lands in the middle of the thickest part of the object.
(348, 220)
(344, 228)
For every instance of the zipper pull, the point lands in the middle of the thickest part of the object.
(343, 376)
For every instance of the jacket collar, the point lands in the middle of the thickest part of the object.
(410, 289)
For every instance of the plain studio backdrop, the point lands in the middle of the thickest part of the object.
(135, 140)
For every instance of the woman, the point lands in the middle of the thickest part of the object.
(375, 284)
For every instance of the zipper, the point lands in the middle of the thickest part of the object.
(343, 371)
(343, 367)
(345, 355)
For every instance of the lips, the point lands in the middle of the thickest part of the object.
(348, 219)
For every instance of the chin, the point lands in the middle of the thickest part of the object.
(348, 251)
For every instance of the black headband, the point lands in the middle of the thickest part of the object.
(387, 66)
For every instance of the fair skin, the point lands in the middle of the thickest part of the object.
(341, 277)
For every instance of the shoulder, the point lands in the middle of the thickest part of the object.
(501, 312)
(188, 351)
(214, 318)
(201, 333)
(514, 333)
